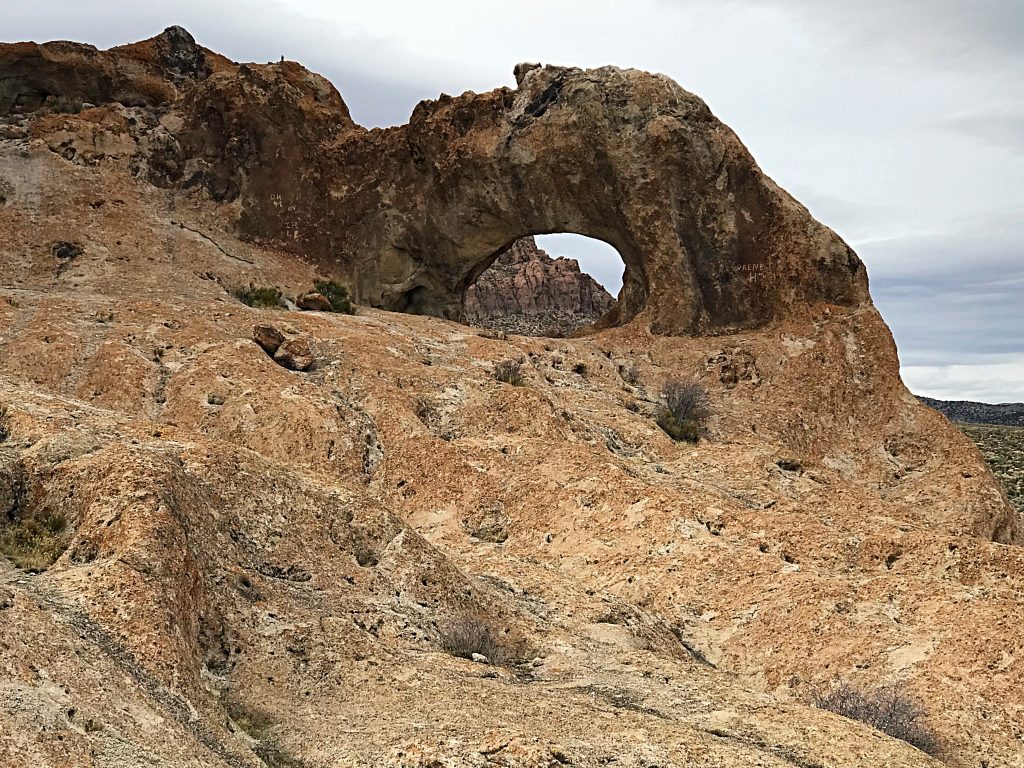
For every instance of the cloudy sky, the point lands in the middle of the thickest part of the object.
(899, 123)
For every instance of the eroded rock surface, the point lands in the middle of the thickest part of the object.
(411, 216)
(209, 559)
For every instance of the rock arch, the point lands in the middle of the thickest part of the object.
(411, 215)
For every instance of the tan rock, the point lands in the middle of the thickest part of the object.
(268, 337)
(314, 302)
(295, 354)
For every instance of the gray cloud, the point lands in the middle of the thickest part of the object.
(1001, 127)
(948, 34)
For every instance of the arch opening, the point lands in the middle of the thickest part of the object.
(548, 285)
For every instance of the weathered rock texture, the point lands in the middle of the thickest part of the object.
(212, 560)
(526, 291)
(411, 216)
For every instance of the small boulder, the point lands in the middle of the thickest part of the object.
(479, 658)
(268, 337)
(294, 354)
(315, 302)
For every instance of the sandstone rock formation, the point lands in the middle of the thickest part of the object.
(211, 560)
(526, 291)
(295, 354)
(411, 216)
(268, 337)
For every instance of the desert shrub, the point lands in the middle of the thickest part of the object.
(337, 294)
(5, 423)
(65, 104)
(888, 709)
(630, 374)
(263, 298)
(258, 725)
(685, 409)
(510, 372)
(468, 634)
(34, 543)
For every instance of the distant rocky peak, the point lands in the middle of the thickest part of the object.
(528, 292)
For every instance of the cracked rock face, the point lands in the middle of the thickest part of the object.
(411, 216)
(209, 559)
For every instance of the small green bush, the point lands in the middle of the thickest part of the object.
(510, 372)
(684, 411)
(337, 294)
(261, 298)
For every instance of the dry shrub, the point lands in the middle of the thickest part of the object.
(889, 709)
(630, 374)
(685, 409)
(510, 372)
(33, 543)
(467, 634)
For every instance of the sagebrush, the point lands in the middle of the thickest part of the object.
(684, 410)
(468, 634)
(260, 297)
(510, 372)
(889, 709)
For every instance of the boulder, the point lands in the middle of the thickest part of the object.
(268, 337)
(295, 354)
(314, 302)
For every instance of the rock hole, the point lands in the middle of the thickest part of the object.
(546, 285)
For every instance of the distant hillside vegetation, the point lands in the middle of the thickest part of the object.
(1003, 449)
(1006, 414)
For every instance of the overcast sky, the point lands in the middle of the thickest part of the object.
(899, 123)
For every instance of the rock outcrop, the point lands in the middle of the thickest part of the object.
(208, 558)
(526, 291)
(411, 216)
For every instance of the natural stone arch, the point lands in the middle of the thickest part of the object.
(411, 215)
(408, 215)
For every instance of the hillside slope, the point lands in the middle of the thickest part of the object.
(211, 559)
(1006, 414)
